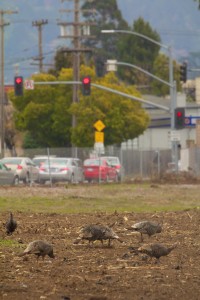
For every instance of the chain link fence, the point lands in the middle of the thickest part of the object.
(137, 163)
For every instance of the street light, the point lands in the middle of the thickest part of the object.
(172, 84)
(168, 48)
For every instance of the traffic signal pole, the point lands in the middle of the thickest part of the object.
(2, 92)
(106, 89)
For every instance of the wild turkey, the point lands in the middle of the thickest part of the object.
(146, 227)
(156, 250)
(97, 233)
(10, 225)
(39, 248)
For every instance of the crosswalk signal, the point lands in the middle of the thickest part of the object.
(183, 72)
(86, 89)
(18, 85)
(179, 117)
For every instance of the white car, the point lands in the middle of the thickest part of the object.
(24, 167)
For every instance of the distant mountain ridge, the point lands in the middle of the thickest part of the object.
(177, 22)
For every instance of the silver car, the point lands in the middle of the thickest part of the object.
(61, 169)
(24, 168)
(8, 176)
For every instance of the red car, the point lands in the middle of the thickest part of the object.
(99, 169)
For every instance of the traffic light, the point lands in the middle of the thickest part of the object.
(99, 67)
(18, 85)
(179, 117)
(183, 72)
(86, 81)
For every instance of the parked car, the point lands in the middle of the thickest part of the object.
(115, 162)
(61, 169)
(8, 176)
(99, 169)
(24, 168)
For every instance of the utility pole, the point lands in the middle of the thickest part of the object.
(40, 58)
(76, 36)
(2, 92)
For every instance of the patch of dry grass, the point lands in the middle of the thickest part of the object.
(108, 197)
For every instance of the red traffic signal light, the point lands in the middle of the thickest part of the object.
(86, 81)
(179, 118)
(179, 114)
(18, 85)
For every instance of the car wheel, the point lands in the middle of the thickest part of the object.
(107, 178)
(116, 178)
(16, 180)
(27, 179)
(42, 181)
(72, 178)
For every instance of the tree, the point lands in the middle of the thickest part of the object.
(61, 60)
(46, 112)
(124, 118)
(36, 112)
(198, 2)
(161, 70)
(105, 16)
(142, 52)
(114, 46)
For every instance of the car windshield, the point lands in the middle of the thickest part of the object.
(15, 161)
(92, 162)
(56, 162)
(113, 161)
(38, 161)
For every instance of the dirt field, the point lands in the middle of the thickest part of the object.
(83, 272)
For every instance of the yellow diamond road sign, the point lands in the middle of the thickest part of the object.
(99, 125)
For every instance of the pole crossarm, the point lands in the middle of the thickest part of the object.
(144, 71)
(108, 90)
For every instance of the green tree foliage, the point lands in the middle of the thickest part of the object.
(62, 60)
(161, 70)
(37, 110)
(141, 52)
(45, 113)
(198, 2)
(103, 15)
(124, 118)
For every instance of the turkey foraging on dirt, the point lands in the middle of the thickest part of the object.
(10, 225)
(146, 227)
(39, 248)
(156, 250)
(97, 233)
